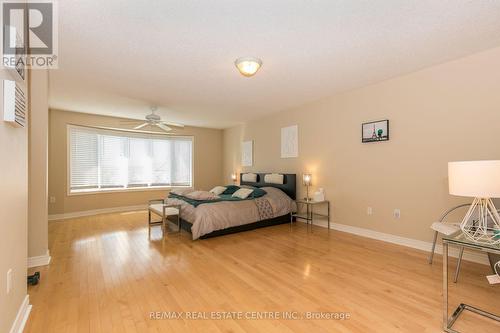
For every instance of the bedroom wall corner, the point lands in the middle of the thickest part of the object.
(232, 138)
(38, 165)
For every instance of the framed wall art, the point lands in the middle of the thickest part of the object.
(290, 141)
(375, 131)
(247, 153)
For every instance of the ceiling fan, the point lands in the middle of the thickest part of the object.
(153, 119)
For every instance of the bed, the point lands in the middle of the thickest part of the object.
(226, 217)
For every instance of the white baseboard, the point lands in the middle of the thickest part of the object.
(22, 316)
(474, 256)
(71, 215)
(39, 260)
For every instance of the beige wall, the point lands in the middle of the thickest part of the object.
(444, 113)
(38, 164)
(13, 215)
(207, 164)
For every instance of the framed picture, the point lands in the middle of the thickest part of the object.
(247, 153)
(290, 141)
(375, 131)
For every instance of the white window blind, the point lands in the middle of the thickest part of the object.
(105, 160)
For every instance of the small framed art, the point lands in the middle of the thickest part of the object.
(375, 131)
(247, 153)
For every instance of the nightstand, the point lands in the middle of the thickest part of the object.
(309, 213)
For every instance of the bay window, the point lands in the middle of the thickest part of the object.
(104, 160)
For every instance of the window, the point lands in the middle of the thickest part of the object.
(101, 159)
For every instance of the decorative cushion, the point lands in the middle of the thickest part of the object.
(258, 192)
(273, 178)
(249, 177)
(230, 189)
(242, 193)
(158, 209)
(218, 190)
(201, 195)
(181, 191)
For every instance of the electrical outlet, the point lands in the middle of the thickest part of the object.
(369, 211)
(52, 200)
(397, 213)
(9, 280)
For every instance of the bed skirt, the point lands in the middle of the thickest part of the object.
(245, 227)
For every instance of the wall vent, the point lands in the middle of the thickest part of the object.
(14, 104)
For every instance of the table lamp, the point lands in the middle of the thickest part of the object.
(480, 180)
(306, 178)
(233, 177)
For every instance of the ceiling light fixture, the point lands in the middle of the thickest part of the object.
(248, 66)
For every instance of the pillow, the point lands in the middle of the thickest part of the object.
(218, 190)
(230, 189)
(273, 178)
(201, 195)
(242, 193)
(249, 177)
(258, 192)
(181, 191)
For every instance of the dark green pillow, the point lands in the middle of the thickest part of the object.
(258, 192)
(230, 189)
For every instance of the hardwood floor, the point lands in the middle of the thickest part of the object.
(107, 276)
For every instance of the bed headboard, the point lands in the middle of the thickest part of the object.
(289, 185)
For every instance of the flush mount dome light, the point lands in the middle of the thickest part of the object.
(248, 66)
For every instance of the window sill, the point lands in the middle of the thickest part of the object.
(123, 190)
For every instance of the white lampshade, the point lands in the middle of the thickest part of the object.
(307, 179)
(478, 179)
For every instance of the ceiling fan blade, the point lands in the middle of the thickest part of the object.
(164, 127)
(131, 121)
(172, 124)
(141, 126)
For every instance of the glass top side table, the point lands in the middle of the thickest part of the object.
(459, 239)
(309, 214)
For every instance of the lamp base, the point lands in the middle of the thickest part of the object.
(486, 228)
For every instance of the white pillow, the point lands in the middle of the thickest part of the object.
(273, 178)
(249, 177)
(181, 191)
(242, 193)
(201, 195)
(218, 190)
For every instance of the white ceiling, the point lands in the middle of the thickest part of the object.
(118, 57)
